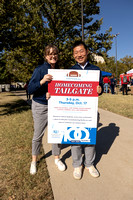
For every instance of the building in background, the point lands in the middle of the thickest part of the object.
(98, 58)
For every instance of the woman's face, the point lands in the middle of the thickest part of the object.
(52, 57)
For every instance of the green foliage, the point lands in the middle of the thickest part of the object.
(28, 26)
(127, 63)
(109, 65)
(4, 73)
(124, 65)
(23, 33)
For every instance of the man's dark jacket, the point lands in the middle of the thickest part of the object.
(90, 67)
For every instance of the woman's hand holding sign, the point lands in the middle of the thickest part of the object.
(46, 78)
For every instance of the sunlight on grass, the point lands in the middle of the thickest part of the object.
(16, 130)
(118, 103)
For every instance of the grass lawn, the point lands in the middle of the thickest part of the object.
(16, 130)
(118, 103)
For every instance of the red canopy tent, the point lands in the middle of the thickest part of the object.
(128, 74)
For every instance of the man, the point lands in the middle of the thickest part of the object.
(112, 84)
(124, 82)
(80, 53)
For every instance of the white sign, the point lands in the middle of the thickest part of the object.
(72, 108)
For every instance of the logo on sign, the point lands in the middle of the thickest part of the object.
(73, 74)
(78, 134)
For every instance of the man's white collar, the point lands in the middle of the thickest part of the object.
(83, 66)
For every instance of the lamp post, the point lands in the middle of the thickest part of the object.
(116, 53)
(82, 19)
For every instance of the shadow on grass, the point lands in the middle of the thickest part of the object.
(14, 107)
(48, 154)
(105, 138)
(16, 94)
(20, 93)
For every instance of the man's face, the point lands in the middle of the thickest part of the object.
(80, 54)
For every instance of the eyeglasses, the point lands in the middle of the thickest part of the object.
(53, 54)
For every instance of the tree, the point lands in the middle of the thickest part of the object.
(127, 63)
(64, 22)
(4, 73)
(123, 65)
(109, 65)
(22, 36)
(30, 25)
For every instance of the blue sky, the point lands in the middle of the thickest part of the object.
(118, 14)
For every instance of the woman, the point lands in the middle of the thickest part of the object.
(38, 86)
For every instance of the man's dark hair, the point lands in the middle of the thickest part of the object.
(78, 43)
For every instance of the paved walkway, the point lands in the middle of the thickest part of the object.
(114, 161)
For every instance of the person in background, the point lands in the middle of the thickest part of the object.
(131, 80)
(38, 86)
(131, 83)
(124, 82)
(106, 82)
(80, 53)
(26, 88)
(112, 84)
